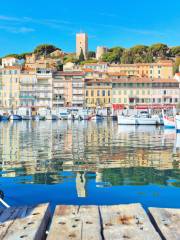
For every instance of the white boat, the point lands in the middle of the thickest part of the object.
(146, 120)
(63, 115)
(15, 117)
(84, 114)
(25, 113)
(39, 118)
(97, 117)
(169, 122)
(178, 123)
(127, 120)
(52, 117)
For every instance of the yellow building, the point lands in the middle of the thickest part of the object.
(11, 87)
(162, 69)
(97, 90)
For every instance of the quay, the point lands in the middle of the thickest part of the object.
(115, 222)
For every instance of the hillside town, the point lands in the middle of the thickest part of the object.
(46, 81)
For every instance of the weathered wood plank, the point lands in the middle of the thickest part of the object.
(167, 222)
(24, 223)
(74, 222)
(127, 222)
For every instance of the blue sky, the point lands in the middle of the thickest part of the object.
(25, 24)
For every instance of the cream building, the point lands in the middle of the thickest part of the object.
(11, 87)
(100, 51)
(127, 92)
(82, 44)
(9, 61)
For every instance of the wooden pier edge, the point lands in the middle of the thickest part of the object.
(115, 222)
(166, 222)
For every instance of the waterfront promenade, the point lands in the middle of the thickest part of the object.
(89, 223)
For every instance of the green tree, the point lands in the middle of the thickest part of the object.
(70, 58)
(45, 49)
(159, 50)
(127, 57)
(91, 54)
(81, 56)
(176, 65)
(175, 51)
(113, 55)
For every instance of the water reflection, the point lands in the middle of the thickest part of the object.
(81, 152)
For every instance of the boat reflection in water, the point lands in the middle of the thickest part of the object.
(89, 163)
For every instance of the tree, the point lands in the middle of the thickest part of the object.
(81, 56)
(175, 51)
(176, 65)
(159, 50)
(127, 57)
(113, 55)
(70, 58)
(45, 49)
(91, 54)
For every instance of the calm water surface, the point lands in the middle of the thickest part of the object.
(89, 163)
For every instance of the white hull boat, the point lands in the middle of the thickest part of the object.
(51, 117)
(178, 123)
(146, 121)
(97, 117)
(127, 120)
(169, 122)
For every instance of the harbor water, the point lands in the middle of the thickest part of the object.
(88, 162)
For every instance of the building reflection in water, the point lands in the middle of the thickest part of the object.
(117, 155)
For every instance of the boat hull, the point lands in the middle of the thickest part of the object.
(146, 121)
(127, 120)
(178, 123)
(4, 118)
(169, 122)
(15, 118)
(52, 117)
(97, 118)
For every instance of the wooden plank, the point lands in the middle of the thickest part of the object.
(167, 222)
(75, 223)
(127, 222)
(24, 223)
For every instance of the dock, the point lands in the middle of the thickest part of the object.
(115, 222)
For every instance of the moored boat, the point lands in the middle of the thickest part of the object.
(178, 123)
(52, 117)
(127, 120)
(169, 122)
(39, 118)
(4, 118)
(15, 117)
(146, 120)
(97, 117)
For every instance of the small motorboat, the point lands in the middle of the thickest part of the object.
(39, 118)
(15, 117)
(26, 117)
(4, 118)
(97, 117)
(51, 117)
(177, 123)
(169, 122)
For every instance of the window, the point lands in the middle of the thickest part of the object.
(92, 93)
(103, 93)
(109, 93)
(98, 93)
